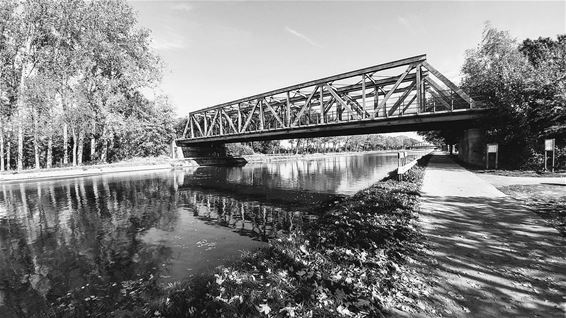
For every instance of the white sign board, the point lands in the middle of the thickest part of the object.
(549, 144)
(492, 148)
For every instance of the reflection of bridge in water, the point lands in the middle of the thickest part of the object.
(261, 199)
(255, 219)
(250, 210)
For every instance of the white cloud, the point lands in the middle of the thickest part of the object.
(408, 25)
(169, 40)
(302, 37)
(182, 7)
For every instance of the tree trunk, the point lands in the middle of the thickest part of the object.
(20, 105)
(65, 144)
(92, 148)
(35, 140)
(74, 132)
(1, 145)
(110, 146)
(20, 164)
(8, 151)
(92, 156)
(80, 147)
(104, 151)
(49, 161)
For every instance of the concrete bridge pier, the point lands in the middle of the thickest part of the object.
(472, 147)
(211, 154)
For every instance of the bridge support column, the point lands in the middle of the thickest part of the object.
(472, 147)
(211, 155)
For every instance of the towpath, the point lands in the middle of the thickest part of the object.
(487, 255)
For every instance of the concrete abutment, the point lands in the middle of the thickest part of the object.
(472, 147)
(213, 154)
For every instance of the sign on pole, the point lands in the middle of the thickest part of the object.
(549, 145)
(491, 148)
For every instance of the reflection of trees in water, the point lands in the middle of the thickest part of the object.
(59, 235)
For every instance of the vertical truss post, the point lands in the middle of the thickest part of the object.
(375, 101)
(451, 102)
(433, 104)
(321, 99)
(239, 117)
(220, 122)
(186, 127)
(205, 123)
(424, 95)
(191, 119)
(261, 119)
(288, 109)
(419, 89)
(364, 92)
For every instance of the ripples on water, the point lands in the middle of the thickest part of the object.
(56, 235)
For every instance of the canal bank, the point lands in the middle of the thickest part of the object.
(259, 158)
(98, 237)
(141, 164)
(358, 269)
(161, 163)
(351, 262)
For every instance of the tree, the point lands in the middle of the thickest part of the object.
(526, 86)
(86, 65)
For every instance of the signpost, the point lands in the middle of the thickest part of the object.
(491, 148)
(549, 145)
(402, 158)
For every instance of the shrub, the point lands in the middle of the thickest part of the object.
(238, 150)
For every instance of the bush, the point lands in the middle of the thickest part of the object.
(238, 150)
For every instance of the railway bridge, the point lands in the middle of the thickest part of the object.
(403, 95)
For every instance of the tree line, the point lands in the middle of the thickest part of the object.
(78, 84)
(356, 143)
(525, 82)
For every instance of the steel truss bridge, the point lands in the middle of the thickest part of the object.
(403, 95)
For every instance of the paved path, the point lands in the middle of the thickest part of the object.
(488, 256)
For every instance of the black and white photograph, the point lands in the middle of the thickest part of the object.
(273, 159)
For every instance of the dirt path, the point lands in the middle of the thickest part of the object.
(488, 256)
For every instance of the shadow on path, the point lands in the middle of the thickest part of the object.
(487, 255)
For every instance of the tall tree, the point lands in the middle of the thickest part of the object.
(84, 64)
(526, 86)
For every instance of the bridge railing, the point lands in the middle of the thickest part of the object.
(407, 87)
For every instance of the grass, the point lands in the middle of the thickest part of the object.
(547, 200)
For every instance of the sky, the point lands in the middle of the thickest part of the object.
(215, 52)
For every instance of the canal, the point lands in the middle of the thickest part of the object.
(60, 235)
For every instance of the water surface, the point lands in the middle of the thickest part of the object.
(59, 235)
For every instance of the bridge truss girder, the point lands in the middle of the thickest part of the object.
(403, 88)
